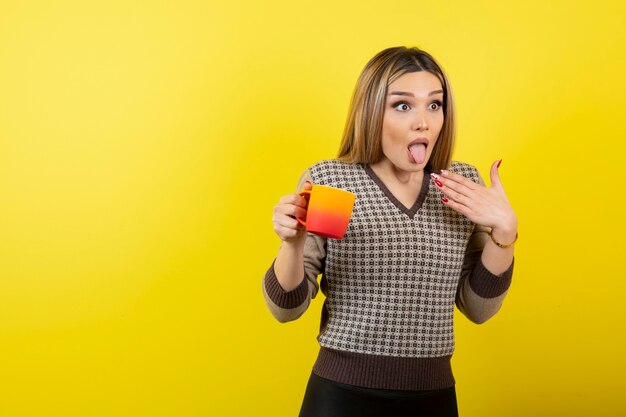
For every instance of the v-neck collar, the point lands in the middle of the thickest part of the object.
(406, 210)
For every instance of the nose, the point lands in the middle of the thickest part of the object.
(420, 121)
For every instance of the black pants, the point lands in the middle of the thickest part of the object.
(325, 398)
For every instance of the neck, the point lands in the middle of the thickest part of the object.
(385, 169)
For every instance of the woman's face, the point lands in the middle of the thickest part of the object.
(412, 120)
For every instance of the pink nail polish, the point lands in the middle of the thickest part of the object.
(499, 162)
(444, 172)
(434, 176)
(445, 200)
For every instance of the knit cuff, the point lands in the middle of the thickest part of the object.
(488, 285)
(282, 298)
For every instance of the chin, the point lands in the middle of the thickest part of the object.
(410, 167)
(419, 167)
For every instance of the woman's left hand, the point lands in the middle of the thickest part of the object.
(485, 206)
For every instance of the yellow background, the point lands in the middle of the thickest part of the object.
(143, 145)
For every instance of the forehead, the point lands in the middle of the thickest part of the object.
(418, 83)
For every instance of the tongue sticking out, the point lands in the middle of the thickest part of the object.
(418, 152)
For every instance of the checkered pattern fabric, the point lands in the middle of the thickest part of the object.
(393, 278)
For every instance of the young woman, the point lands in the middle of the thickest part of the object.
(425, 234)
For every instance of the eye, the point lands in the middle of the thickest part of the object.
(435, 105)
(402, 106)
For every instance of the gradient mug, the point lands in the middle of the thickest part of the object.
(328, 211)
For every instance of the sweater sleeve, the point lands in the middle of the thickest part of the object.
(480, 293)
(289, 305)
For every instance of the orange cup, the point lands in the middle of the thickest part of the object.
(328, 211)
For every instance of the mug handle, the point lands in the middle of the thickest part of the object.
(307, 195)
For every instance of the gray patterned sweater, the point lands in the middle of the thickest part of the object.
(391, 284)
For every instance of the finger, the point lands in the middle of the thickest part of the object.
(290, 210)
(495, 175)
(456, 206)
(287, 222)
(453, 194)
(456, 196)
(448, 184)
(454, 190)
(307, 185)
(449, 175)
(293, 198)
(285, 233)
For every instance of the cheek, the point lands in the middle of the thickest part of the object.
(439, 121)
(393, 130)
(436, 125)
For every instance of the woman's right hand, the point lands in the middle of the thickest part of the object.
(290, 206)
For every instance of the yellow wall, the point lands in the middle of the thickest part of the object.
(143, 145)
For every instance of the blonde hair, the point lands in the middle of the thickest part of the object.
(361, 141)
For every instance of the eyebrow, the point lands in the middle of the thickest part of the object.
(406, 93)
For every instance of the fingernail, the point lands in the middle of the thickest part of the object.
(444, 172)
(436, 178)
(445, 200)
(499, 162)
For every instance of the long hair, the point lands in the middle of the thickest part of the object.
(361, 141)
